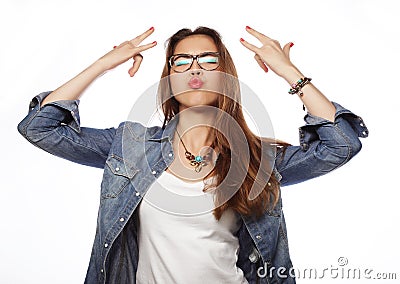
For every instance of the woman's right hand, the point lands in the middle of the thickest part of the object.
(125, 51)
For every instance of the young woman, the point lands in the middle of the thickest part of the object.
(197, 199)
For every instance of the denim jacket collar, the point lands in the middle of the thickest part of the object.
(162, 133)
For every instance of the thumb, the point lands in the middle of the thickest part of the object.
(286, 49)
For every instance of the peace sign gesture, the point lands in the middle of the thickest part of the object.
(270, 54)
(126, 50)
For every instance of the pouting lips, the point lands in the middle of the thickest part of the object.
(195, 83)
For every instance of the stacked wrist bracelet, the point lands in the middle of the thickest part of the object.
(298, 85)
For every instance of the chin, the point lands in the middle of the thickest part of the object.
(197, 98)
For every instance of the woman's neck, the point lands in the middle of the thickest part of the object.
(194, 127)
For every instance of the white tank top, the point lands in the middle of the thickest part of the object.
(180, 241)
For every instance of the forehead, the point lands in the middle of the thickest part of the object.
(196, 44)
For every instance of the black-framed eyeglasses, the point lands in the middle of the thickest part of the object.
(182, 62)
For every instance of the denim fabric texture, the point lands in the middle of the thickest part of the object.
(134, 156)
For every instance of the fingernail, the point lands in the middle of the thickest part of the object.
(154, 42)
(291, 44)
(241, 39)
(152, 28)
(115, 46)
(247, 27)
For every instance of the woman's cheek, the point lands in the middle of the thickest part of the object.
(179, 83)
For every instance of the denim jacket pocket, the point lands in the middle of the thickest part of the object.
(116, 177)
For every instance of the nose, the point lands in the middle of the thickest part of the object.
(196, 72)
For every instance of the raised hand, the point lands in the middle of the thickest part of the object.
(270, 54)
(73, 89)
(126, 50)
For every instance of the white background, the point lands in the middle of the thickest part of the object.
(350, 49)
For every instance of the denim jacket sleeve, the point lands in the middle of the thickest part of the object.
(324, 146)
(55, 128)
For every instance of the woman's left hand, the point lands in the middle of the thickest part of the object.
(270, 54)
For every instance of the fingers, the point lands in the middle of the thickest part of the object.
(261, 63)
(137, 40)
(134, 43)
(132, 49)
(270, 55)
(137, 60)
(261, 37)
(144, 47)
(249, 45)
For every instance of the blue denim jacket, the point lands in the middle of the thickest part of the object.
(134, 156)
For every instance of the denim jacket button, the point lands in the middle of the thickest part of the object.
(117, 169)
(105, 245)
(253, 257)
(153, 172)
(101, 270)
(137, 193)
(122, 219)
(170, 154)
(258, 237)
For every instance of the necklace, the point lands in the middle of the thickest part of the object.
(196, 161)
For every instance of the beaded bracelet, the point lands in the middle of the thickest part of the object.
(298, 85)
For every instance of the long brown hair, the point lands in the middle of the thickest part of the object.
(242, 180)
